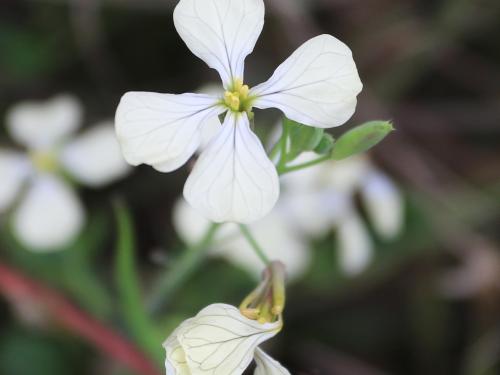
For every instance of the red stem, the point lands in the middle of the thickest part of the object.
(17, 286)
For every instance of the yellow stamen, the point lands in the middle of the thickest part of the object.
(236, 98)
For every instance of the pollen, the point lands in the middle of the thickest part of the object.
(237, 97)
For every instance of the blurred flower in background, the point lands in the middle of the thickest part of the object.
(37, 184)
(314, 202)
(273, 232)
(319, 199)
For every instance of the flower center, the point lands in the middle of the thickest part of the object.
(44, 161)
(237, 98)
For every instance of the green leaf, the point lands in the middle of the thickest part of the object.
(127, 280)
(326, 144)
(361, 139)
(302, 138)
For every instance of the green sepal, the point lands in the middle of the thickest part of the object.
(361, 139)
(302, 138)
(326, 144)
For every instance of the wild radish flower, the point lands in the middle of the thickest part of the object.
(234, 180)
(321, 198)
(47, 213)
(273, 231)
(224, 340)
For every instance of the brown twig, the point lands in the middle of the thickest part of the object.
(16, 286)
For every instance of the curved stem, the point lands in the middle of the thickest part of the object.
(19, 288)
(183, 268)
(284, 169)
(255, 245)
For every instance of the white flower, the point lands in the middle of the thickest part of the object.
(49, 214)
(323, 197)
(233, 179)
(273, 231)
(220, 341)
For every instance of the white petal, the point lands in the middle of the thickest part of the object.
(384, 204)
(162, 130)
(212, 126)
(316, 86)
(44, 124)
(14, 168)
(354, 244)
(175, 362)
(94, 158)
(315, 213)
(346, 176)
(49, 216)
(221, 32)
(221, 341)
(267, 365)
(233, 180)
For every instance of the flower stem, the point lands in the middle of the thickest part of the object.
(283, 147)
(183, 268)
(284, 169)
(255, 245)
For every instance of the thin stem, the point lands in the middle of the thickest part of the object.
(275, 150)
(283, 146)
(284, 169)
(255, 245)
(184, 267)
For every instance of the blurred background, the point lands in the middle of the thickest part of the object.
(427, 302)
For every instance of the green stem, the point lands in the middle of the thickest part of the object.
(283, 145)
(284, 169)
(274, 151)
(130, 296)
(255, 245)
(183, 268)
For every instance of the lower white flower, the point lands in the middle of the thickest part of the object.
(47, 213)
(219, 340)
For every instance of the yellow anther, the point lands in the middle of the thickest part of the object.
(232, 100)
(237, 97)
(244, 90)
(237, 85)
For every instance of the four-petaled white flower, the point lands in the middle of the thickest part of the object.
(221, 341)
(234, 180)
(49, 214)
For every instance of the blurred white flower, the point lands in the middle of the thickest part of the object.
(279, 238)
(49, 214)
(314, 201)
(220, 340)
(323, 197)
(234, 180)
